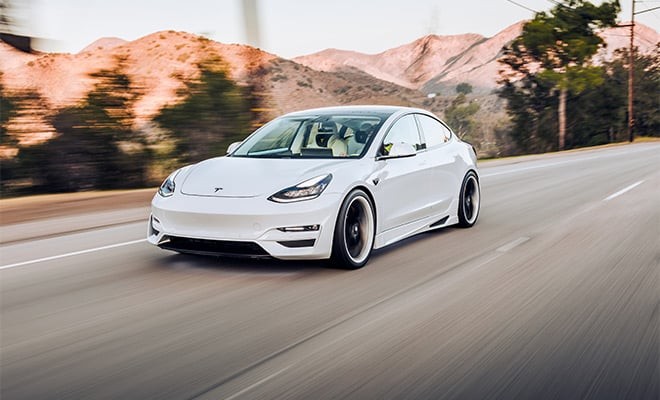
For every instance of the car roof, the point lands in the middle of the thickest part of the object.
(362, 109)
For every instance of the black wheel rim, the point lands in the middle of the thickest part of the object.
(471, 199)
(358, 229)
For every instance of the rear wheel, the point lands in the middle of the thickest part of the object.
(470, 201)
(354, 232)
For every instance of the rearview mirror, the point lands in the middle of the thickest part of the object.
(400, 150)
(232, 147)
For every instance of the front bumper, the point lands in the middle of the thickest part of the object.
(243, 226)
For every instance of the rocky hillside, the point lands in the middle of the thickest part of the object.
(435, 63)
(159, 63)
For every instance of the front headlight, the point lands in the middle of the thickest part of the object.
(168, 186)
(307, 190)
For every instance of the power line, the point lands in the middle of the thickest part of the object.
(560, 4)
(647, 10)
(522, 5)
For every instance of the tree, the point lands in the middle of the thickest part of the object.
(95, 146)
(464, 88)
(646, 102)
(213, 113)
(459, 115)
(556, 47)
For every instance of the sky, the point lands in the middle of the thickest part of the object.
(287, 28)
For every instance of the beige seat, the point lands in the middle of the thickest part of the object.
(327, 136)
(339, 146)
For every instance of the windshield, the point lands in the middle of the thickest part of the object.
(314, 136)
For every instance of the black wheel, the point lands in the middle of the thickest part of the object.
(470, 201)
(354, 232)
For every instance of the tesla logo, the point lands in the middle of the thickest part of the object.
(217, 189)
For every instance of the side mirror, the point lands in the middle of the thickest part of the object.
(400, 150)
(232, 147)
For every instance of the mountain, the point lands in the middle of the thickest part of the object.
(106, 43)
(434, 63)
(156, 63)
(409, 65)
(159, 64)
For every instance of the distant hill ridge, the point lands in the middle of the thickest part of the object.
(158, 63)
(433, 62)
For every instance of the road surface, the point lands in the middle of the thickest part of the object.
(554, 294)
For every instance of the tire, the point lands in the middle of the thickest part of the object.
(355, 231)
(469, 201)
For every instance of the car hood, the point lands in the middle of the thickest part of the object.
(252, 177)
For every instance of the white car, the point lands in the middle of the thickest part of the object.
(325, 183)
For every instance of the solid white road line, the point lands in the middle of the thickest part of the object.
(622, 191)
(513, 170)
(75, 253)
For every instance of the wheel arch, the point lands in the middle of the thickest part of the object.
(472, 169)
(462, 179)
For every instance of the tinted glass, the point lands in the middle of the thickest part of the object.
(404, 130)
(435, 132)
(313, 136)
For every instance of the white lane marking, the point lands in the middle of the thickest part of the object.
(552, 164)
(269, 377)
(511, 171)
(75, 253)
(622, 191)
(512, 244)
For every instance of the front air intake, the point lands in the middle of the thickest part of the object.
(213, 247)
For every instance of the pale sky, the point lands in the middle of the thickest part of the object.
(288, 27)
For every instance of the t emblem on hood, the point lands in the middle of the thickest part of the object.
(217, 189)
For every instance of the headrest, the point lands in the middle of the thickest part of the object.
(342, 132)
(322, 139)
(363, 133)
(327, 127)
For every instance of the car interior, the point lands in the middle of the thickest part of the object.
(336, 138)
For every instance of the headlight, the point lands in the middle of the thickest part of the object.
(307, 190)
(167, 188)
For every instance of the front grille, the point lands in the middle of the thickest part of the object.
(213, 247)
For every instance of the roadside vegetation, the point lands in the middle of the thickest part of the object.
(558, 98)
(555, 92)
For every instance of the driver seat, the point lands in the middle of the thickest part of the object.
(334, 142)
(337, 143)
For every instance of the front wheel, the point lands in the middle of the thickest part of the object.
(470, 201)
(354, 231)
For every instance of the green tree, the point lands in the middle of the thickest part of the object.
(646, 101)
(213, 113)
(460, 116)
(530, 102)
(464, 88)
(557, 47)
(95, 146)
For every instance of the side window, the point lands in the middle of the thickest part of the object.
(403, 131)
(435, 132)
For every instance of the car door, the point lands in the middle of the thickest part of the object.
(403, 182)
(445, 165)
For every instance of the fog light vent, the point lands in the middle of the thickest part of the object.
(298, 243)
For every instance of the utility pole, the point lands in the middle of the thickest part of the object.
(631, 77)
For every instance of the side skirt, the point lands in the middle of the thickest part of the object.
(425, 224)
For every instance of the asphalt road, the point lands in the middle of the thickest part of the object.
(555, 293)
